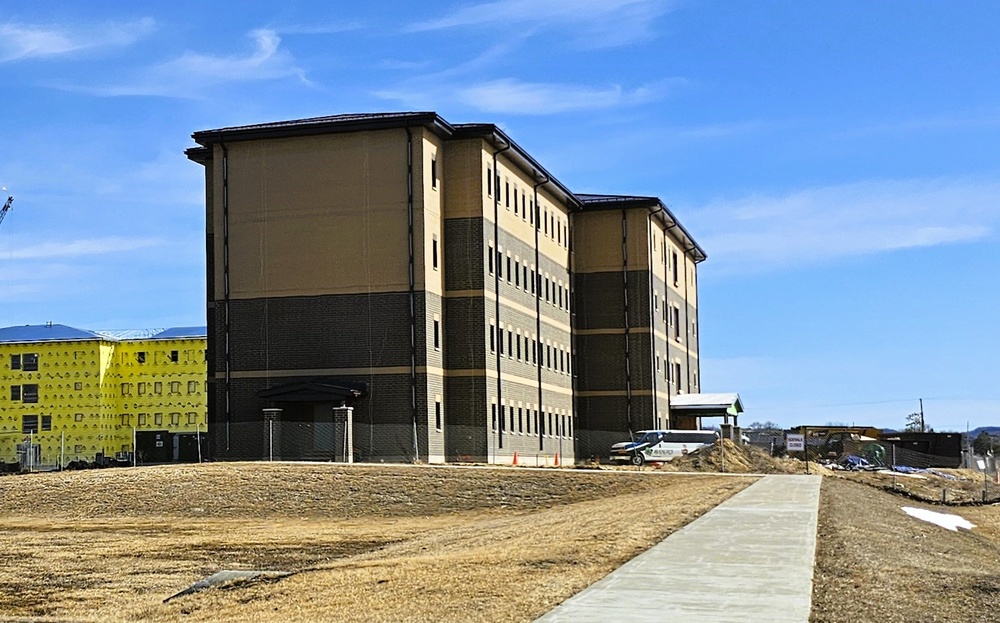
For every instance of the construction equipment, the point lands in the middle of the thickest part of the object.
(6, 206)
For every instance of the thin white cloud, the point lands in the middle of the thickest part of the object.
(320, 29)
(188, 75)
(594, 23)
(26, 41)
(80, 248)
(511, 96)
(819, 224)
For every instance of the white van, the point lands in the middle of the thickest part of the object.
(661, 445)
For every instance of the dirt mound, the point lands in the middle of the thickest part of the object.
(725, 455)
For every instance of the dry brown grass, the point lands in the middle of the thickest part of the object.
(388, 543)
(874, 563)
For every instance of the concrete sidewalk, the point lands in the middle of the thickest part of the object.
(749, 559)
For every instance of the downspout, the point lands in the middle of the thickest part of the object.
(666, 298)
(413, 305)
(538, 311)
(628, 362)
(225, 285)
(496, 288)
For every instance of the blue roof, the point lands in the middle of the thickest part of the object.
(46, 333)
(181, 332)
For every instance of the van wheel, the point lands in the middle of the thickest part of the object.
(638, 459)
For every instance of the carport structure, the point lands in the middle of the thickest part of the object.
(688, 410)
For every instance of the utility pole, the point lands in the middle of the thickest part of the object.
(923, 428)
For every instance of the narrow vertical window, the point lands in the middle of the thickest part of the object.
(15, 362)
(516, 210)
(500, 262)
(494, 419)
(493, 339)
(437, 334)
(506, 199)
(673, 256)
(434, 172)
(489, 182)
(501, 340)
(517, 273)
(434, 251)
(437, 414)
(490, 257)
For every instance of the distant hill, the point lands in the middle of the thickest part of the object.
(990, 430)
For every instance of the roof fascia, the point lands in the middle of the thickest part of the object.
(431, 121)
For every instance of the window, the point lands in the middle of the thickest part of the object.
(157, 388)
(142, 418)
(141, 389)
(158, 419)
(437, 414)
(489, 182)
(434, 172)
(510, 342)
(525, 271)
(434, 251)
(490, 258)
(494, 420)
(175, 387)
(519, 347)
(192, 387)
(520, 420)
(508, 269)
(493, 339)
(15, 362)
(15, 392)
(677, 375)
(676, 322)
(531, 211)
(517, 273)
(175, 419)
(656, 302)
(46, 422)
(437, 334)
(516, 208)
(192, 418)
(77, 386)
(174, 356)
(503, 417)
(507, 196)
(29, 424)
(528, 420)
(673, 256)
(545, 220)
(141, 356)
(29, 393)
(30, 362)
(501, 340)
(500, 262)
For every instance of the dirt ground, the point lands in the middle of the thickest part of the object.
(366, 543)
(874, 563)
(402, 543)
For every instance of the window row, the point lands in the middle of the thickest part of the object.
(552, 223)
(671, 371)
(524, 277)
(193, 387)
(27, 362)
(190, 417)
(24, 393)
(527, 421)
(515, 345)
(29, 424)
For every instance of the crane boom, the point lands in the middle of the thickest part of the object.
(6, 208)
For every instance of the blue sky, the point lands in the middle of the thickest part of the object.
(837, 160)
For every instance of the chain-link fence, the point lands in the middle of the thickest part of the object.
(54, 450)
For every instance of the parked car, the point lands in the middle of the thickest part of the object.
(661, 445)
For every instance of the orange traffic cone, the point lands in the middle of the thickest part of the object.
(515, 458)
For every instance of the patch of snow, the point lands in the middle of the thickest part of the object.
(951, 522)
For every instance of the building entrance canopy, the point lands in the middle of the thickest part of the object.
(690, 408)
(314, 390)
